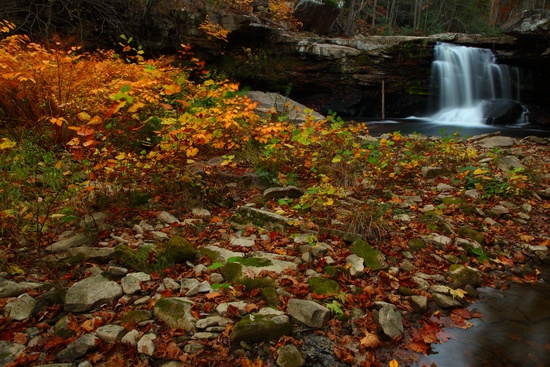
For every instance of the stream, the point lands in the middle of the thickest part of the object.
(428, 127)
(513, 331)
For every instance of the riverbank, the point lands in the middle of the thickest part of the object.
(239, 271)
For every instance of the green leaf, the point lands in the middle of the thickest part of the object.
(215, 266)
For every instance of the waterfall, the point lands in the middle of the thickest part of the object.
(471, 88)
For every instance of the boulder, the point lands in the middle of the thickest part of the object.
(530, 24)
(501, 112)
(389, 319)
(9, 288)
(269, 103)
(91, 292)
(373, 259)
(256, 328)
(308, 312)
(175, 312)
(22, 308)
(462, 275)
(78, 348)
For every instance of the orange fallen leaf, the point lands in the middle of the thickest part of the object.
(370, 340)
(213, 295)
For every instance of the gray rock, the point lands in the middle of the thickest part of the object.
(255, 328)
(283, 192)
(167, 218)
(282, 105)
(290, 356)
(201, 213)
(242, 241)
(473, 194)
(498, 141)
(9, 351)
(94, 221)
(170, 283)
(100, 254)
(160, 236)
(111, 333)
(175, 312)
(216, 278)
(239, 305)
(356, 265)
(90, 292)
(78, 348)
(9, 288)
(209, 321)
(78, 240)
(117, 270)
(509, 162)
(245, 216)
(439, 240)
(146, 344)
(444, 187)
(431, 172)
(467, 245)
(389, 319)
(131, 338)
(419, 303)
(206, 335)
(22, 308)
(308, 312)
(320, 249)
(444, 301)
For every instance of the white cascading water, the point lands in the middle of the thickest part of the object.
(464, 77)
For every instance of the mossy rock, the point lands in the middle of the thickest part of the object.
(270, 295)
(333, 271)
(462, 275)
(452, 200)
(416, 243)
(324, 286)
(374, 259)
(256, 328)
(179, 250)
(251, 261)
(135, 259)
(232, 271)
(136, 316)
(175, 312)
(468, 232)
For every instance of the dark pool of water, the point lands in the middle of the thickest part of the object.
(432, 128)
(514, 331)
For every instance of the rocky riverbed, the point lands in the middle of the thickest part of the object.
(250, 281)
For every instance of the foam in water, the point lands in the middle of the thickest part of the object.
(464, 78)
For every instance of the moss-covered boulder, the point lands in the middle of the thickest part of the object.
(179, 250)
(324, 286)
(374, 259)
(175, 312)
(256, 328)
(462, 275)
(136, 316)
(472, 234)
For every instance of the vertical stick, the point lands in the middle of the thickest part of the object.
(383, 100)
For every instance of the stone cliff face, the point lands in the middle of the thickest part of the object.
(346, 75)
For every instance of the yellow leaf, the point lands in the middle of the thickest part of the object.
(59, 164)
(83, 116)
(95, 120)
(394, 363)
(7, 143)
(479, 171)
(135, 107)
(120, 156)
(171, 89)
(457, 293)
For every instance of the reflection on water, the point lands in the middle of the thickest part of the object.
(514, 331)
(432, 128)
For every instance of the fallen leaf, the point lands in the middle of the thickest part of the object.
(370, 340)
